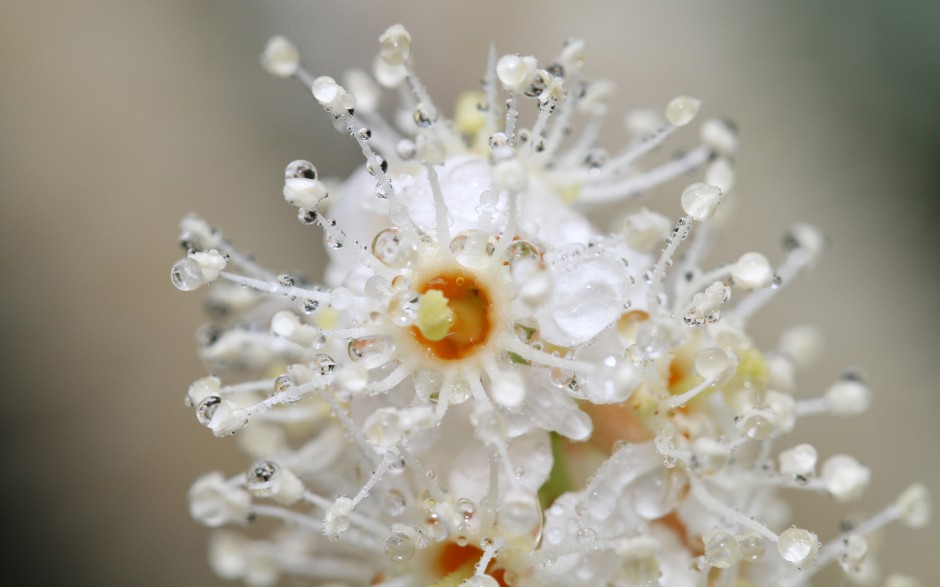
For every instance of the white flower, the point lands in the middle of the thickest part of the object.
(489, 390)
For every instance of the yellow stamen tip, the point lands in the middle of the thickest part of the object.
(435, 316)
(468, 119)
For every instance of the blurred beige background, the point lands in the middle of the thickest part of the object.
(117, 117)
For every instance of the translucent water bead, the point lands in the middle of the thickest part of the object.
(856, 551)
(844, 477)
(799, 461)
(756, 424)
(722, 549)
(197, 269)
(267, 479)
(798, 547)
(700, 200)
(336, 521)
(752, 271)
(715, 363)
(215, 503)
(681, 110)
(516, 72)
(280, 58)
(400, 545)
(394, 249)
(395, 45)
(848, 397)
(752, 547)
(914, 506)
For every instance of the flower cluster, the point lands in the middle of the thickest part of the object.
(489, 390)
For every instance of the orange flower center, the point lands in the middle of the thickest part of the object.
(470, 304)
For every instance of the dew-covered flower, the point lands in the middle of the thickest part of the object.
(491, 390)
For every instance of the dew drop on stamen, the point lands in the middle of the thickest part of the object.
(722, 550)
(306, 216)
(422, 115)
(300, 169)
(395, 45)
(260, 478)
(323, 364)
(681, 110)
(399, 547)
(700, 200)
(798, 547)
(752, 547)
(377, 161)
(187, 275)
(308, 306)
(206, 409)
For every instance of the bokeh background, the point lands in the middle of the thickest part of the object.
(119, 116)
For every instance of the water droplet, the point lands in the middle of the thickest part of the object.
(367, 348)
(308, 306)
(700, 200)
(722, 550)
(395, 45)
(394, 249)
(187, 275)
(260, 479)
(399, 547)
(377, 162)
(403, 307)
(752, 547)
(422, 115)
(393, 502)
(323, 364)
(586, 535)
(798, 547)
(466, 508)
(306, 216)
(206, 409)
(300, 169)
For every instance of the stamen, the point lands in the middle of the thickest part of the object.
(605, 193)
(273, 287)
(441, 216)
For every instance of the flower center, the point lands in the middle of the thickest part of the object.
(454, 315)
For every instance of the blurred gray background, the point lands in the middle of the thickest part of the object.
(119, 116)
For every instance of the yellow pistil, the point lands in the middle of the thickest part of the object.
(435, 316)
